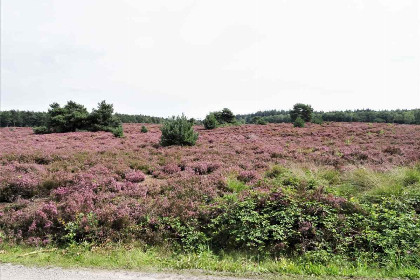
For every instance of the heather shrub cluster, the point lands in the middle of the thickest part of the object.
(348, 190)
(73, 117)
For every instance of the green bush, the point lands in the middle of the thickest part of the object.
(210, 122)
(300, 219)
(41, 130)
(225, 116)
(144, 129)
(299, 122)
(317, 120)
(260, 121)
(102, 118)
(303, 111)
(117, 131)
(178, 131)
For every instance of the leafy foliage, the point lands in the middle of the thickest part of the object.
(225, 116)
(69, 118)
(178, 131)
(144, 129)
(103, 118)
(317, 119)
(260, 120)
(41, 130)
(210, 122)
(303, 111)
(73, 117)
(299, 122)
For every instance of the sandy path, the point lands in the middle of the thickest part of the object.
(19, 272)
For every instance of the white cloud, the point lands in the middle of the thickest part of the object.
(194, 56)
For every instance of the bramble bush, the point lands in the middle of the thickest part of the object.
(178, 131)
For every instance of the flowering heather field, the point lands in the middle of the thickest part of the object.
(94, 187)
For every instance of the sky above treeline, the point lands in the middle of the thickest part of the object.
(165, 58)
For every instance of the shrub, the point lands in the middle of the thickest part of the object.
(317, 120)
(144, 129)
(102, 118)
(225, 116)
(303, 111)
(178, 131)
(41, 130)
(118, 131)
(299, 122)
(135, 176)
(210, 122)
(260, 121)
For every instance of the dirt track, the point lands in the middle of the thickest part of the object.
(19, 272)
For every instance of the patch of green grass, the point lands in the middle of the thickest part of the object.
(236, 186)
(118, 256)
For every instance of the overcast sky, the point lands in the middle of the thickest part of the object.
(163, 58)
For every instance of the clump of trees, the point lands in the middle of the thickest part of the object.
(303, 111)
(75, 117)
(219, 118)
(178, 131)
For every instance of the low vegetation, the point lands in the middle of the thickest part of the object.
(331, 199)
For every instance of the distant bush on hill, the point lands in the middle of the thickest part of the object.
(144, 129)
(73, 117)
(210, 122)
(260, 121)
(220, 118)
(178, 131)
(303, 111)
(299, 122)
(225, 116)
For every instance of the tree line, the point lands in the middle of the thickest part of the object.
(16, 118)
(366, 115)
